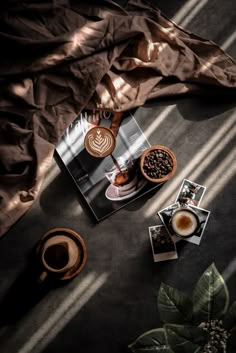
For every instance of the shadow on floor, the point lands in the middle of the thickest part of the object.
(24, 293)
(67, 192)
(197, 108)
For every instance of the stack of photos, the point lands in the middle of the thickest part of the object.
(163, 247)
(188, 198)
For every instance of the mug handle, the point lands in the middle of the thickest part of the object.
(199, 229)
(42, 277)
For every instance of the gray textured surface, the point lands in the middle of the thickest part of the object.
(114, 299)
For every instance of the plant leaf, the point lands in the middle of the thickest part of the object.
(231, 344)
(211, 296)
(230, 318)
(153, 341)
(174, 306)
(186, 339)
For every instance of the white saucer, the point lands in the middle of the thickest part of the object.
(113, 193)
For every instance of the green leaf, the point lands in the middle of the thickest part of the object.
(174, 306)
(153, 341)
(186, 339)
(230, 318)
(231, 344)
(211, 296)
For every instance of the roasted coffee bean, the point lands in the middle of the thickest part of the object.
(157, 164)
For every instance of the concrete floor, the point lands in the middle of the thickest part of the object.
(113, 300)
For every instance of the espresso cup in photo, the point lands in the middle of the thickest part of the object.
(184, 222)
(121, 173)
(58, 255)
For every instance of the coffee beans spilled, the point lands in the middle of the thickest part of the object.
(157, 164)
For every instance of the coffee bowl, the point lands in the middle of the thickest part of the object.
(158, 164)
(184, 222)
(62, 254)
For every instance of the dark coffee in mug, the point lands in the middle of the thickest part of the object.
(56, 256)
(184, 222)
(122, 178)
(59, 254)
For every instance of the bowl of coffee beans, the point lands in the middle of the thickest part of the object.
(158, 164)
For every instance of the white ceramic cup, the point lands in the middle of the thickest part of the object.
(184, 222)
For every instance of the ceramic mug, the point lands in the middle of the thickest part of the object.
(58, 255)
(185, 222)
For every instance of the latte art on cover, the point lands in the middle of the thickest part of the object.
(99, 142)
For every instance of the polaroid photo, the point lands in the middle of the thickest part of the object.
(163, 247)
(203, 215)
(190, 193)
(165, 216)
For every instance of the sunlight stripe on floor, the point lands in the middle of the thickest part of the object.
(65, 312)
(195, 163)
(188, 11)
(229, 41)
(219, 177)
(157, 121)
(193, 13)
(216, 151)
(230, 270)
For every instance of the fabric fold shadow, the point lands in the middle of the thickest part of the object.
(71, 57)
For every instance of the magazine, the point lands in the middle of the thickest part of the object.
(105, 187)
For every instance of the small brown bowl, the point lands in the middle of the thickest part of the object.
(158, 177)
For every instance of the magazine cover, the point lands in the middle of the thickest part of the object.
(109, 183)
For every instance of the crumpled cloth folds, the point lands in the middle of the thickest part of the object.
(60, 57)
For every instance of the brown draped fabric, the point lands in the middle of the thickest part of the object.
(58, 59)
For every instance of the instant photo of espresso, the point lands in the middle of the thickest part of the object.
(184, 227)
(184, 223)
